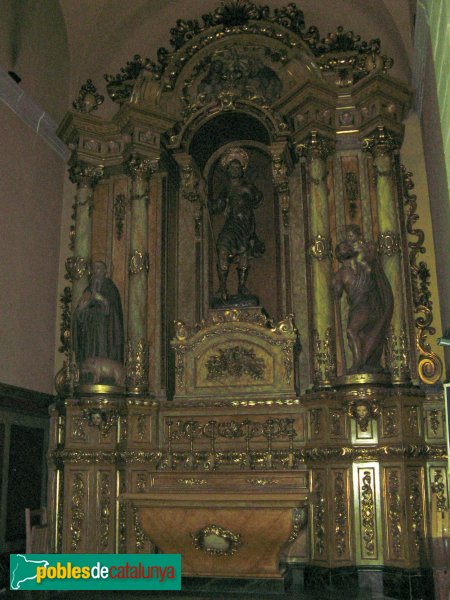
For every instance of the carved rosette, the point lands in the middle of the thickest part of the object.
(137, 364)
(138, 262)
(320, 247)
(389, 243)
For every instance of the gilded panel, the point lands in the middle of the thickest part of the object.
(235, 364)
(318, 523)
(415, 490)
(341, 519)
(394, 530)
(366, 493)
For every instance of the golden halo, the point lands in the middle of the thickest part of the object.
(235, 153)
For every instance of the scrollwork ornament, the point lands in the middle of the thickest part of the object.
(105, 509)
(319, 514)
(88, 98)
(429, 367)
(389, 243)
(415, 506)
(340, 513)
(139, 535)
(78, 514)
(394, 512)
(138, 262)
(320, 247)
(368, 513)
(299, 521)
(438, 488)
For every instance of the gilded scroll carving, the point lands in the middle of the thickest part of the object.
(105, 509)
(368, 513)
(340, 513)
(430, 366)
(319, 514)
(394, 512)
(78, 514)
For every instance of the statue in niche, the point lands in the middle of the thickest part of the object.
(370, 300)
(98, 340)
(237, 241)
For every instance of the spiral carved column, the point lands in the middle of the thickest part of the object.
(77, 266)
(381, 144)
(316, 149)
(137, 352)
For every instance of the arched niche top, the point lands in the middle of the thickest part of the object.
(226, 127)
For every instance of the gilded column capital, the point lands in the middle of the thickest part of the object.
(138, 167)
(315, 146)
(381, 142)
(84, 174)
(76, 268)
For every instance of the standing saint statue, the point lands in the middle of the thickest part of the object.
(97, 330)
(370, 300)
(237, 241)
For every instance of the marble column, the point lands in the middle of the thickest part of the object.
(139, 169)
(316, 149)
(381, 145)
(77, 266)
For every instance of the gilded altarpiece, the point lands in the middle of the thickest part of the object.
(220, 198)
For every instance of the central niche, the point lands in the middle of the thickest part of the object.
(211, 143)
